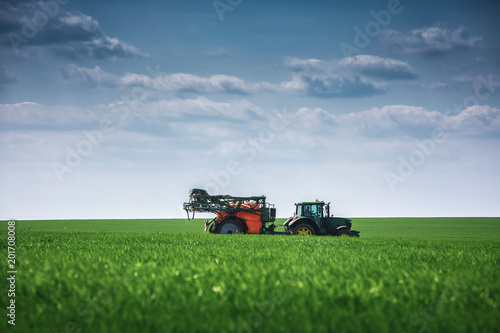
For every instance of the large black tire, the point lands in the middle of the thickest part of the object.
(344, 232)
(229, 227)
(303, 229)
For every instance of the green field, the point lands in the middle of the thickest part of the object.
(401, 275)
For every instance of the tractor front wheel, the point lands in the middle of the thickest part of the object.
(344, 233)
(303, 229)
(230, 227)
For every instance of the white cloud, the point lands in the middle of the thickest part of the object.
(89, 77)
(430, 41)
(170, 83)
(368, 65)
(199, 109)
(431, 85)
(354, 76)
(391, 120)
(299, 65)
(188, 83)
(218, 52)
(154, 116)
(406, 121)
(30, 115)
(103, 48)
(6, 76)
(71, 35)
(200, 114)
(385, 68)
(475, 120)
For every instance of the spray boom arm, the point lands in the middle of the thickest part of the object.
(201, 201)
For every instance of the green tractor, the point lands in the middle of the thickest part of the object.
(313, 218)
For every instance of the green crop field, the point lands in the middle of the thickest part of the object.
(401, 275)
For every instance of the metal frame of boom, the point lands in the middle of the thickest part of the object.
(200, 201)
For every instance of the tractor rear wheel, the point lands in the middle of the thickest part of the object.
(344, 233)
(230, 227)
(303, 229)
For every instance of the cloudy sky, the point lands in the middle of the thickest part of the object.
(115, 109)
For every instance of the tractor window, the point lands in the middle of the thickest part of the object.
(310, 210)
(316, 211)
(307, 210)
(326, 210)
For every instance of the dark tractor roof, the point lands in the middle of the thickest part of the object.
(311, 203)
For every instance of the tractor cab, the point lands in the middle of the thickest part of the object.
(315, 210)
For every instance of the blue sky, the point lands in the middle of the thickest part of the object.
(115, 109)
